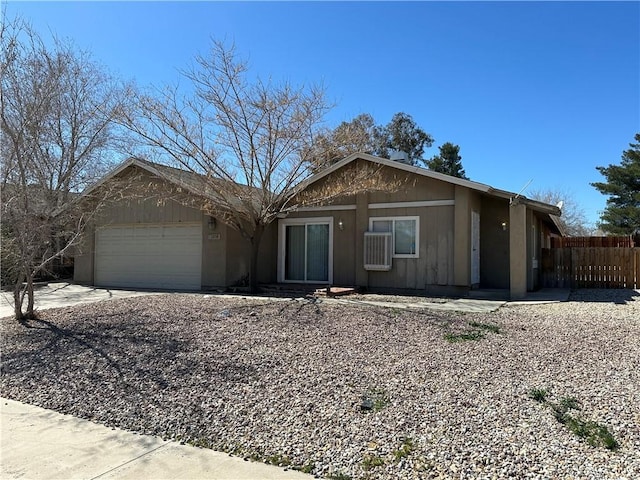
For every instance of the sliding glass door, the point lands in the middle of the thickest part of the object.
(306, 251)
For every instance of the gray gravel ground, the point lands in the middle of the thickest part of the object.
(284, 381)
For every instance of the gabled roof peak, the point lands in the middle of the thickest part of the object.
(400, 166)
(479, 187)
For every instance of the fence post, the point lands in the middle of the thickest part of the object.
(573, 281)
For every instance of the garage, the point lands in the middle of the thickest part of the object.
(162, 256)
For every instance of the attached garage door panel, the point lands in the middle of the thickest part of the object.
(151, 256)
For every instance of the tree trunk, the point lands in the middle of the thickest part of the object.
(18, 298)
(253, 264)
(30, 298)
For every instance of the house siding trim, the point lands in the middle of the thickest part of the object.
(399, 166)
(376, 206)
(323, 208)
(422, 203)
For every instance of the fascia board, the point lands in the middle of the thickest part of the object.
(132, 161)
(112, 173)
(479, 187)
(397, 165)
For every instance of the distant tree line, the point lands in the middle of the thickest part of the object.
(402, 135)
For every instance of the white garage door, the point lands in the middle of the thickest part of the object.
(149, 256)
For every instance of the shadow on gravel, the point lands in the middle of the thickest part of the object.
(54, 344)
(620, 296)
(131, 354)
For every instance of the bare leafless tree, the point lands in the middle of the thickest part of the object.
(57, 108)
(250, 140)
(573, 218)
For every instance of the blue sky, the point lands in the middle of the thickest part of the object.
(542, 91)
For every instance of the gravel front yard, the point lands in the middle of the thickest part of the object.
(285, 381)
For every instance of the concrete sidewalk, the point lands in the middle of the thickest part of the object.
(41, 444)
(467, 305)
(61, 294)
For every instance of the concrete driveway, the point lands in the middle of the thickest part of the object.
(63, 294)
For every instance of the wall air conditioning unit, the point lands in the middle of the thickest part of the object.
(377, 251)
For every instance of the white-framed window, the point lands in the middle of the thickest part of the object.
(406, 234)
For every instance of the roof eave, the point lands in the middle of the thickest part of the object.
(397, 165)
(147, 166)
(558, 224)
(112, 173)
(479, 187)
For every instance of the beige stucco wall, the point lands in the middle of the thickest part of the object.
(518, 254)
(535, 242)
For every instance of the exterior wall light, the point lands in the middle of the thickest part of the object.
(212, 223)
(504, 226)
(340, 224)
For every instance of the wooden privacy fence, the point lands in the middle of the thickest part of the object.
(621, 241)
(591, 267)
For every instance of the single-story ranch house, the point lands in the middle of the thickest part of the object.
(436, 234)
